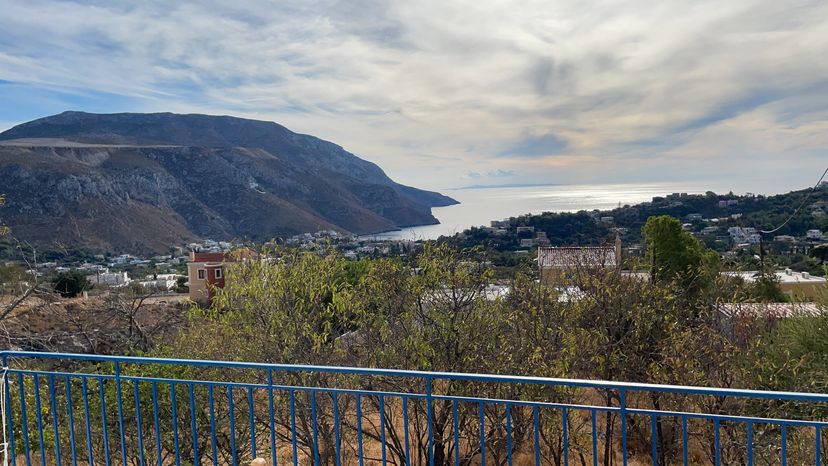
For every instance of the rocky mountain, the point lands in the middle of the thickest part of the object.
(142, 182)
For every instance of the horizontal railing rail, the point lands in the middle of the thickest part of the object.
(458, 376)
(63, 409)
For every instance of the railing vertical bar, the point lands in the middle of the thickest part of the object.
(482, 416)
(314, 428)
(193, 427)
(430, 416)
(405, 434)
(39, 408)
(292, 396)
(455, 423)
(211, 401)
(382, 427)
(750, 444)
(654, 439)
(24, 422)
(536, 421)
(252, 418)
(337, 429)
(272, 417)
(594, 422)
(174, 408)
(509, 434)
(86, 421)
(9, 411)
(622, 395)
(141, 460)
(818, 449)
(53, 401)
(156, 423)
(232, 414)
(120, 401)
(104, 422)
(784, 445)
(565, 421)
(685, 440)
(359, 428)
(718, 445)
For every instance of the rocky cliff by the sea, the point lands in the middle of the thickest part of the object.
(143, 182)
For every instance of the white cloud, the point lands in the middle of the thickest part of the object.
(432, 90)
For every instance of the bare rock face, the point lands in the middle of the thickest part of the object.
(142, 182)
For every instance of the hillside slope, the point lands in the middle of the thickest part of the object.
(141, 182)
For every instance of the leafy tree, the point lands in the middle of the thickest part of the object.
(70, 284)
(676, 255)
(181, 285)
(820, 253)
(766, 289)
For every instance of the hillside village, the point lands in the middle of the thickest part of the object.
(728, 224)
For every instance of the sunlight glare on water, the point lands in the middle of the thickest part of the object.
(479, 206)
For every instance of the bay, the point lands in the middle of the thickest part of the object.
(479, 206)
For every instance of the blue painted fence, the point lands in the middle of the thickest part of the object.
(63, 409)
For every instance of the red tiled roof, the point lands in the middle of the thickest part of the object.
(563, 257)
(236, 255)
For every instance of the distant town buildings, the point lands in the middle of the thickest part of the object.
(784, 239)
(528, 242)
(711, 230)
(814, 235)
(109, 278)
(744, 235)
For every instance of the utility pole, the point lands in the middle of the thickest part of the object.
(761, 256)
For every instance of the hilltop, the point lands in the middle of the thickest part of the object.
(142, 182)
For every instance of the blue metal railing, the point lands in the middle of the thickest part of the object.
(134, 411)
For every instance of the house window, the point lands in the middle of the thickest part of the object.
(218, 273)
(202, 274)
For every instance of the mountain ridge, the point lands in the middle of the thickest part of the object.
(130, 181)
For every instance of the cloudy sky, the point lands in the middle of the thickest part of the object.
(449, 93)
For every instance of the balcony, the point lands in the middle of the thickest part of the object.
(63, 409)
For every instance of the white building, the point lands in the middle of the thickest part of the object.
(161, 282)
(815, 235)
(110, 278)
(743, 235)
